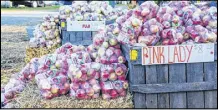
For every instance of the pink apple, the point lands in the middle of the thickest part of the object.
(92, 81)
(90, 91)
(145, 12)
(47, 95)
(96, 88)
(74, 86)
(95, 96)
(120, 90)
(67, 86)
(106, 96)
(117, 52)
(85, 85)
(113, 77)
(123, 93)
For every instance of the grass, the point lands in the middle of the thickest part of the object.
(47, 8)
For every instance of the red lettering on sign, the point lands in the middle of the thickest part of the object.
(155, 55)
(189, 52)
(182, 60)
(145, 54)
(86, 26)
(175, 54)
(161, 54)
(150, 59)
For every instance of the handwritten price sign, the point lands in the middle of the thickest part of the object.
(177, 54)
(84, 25)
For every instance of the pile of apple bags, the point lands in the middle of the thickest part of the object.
(169, 24)
(93, 11)
(106, 51)
(71, 69)
(46, 34)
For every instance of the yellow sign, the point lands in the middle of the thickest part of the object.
(62, 24)
(133, 55)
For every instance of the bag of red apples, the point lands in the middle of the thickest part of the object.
(89, 89)
(84, 80)
(113, 80)
(52, 86)
(18, 81)
(108, 49)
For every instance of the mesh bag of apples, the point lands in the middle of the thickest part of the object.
(169, 24)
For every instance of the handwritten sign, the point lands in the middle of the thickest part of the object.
(177, 54)
(84, 25)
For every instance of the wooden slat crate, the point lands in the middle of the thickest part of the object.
(78, 37)
(181, 85)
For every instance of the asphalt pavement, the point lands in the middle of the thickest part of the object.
(23, 19)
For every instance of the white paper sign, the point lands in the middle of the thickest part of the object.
(177, 54)
(84, 25)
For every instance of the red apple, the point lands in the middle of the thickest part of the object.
(104, 75)
(121, 77)
(113, 94)
(80, 93)
(62, 90)
(119, 71)
(104, 60)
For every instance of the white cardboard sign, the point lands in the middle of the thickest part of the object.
(153, 55)
(84, 25)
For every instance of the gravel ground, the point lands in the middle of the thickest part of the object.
(12, 51)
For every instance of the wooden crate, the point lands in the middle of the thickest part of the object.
(78, 37)
(184, 85)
